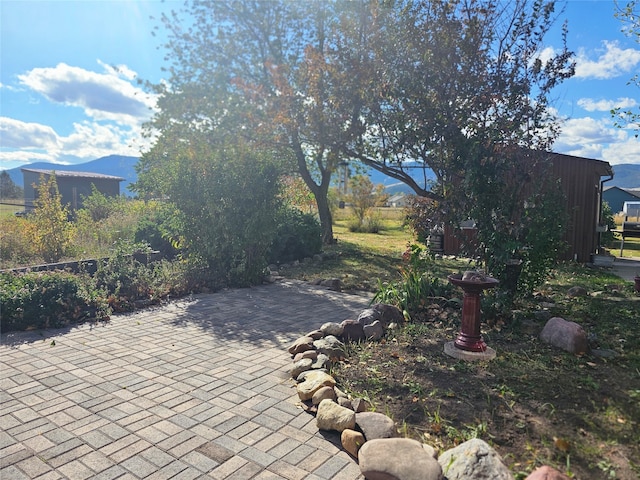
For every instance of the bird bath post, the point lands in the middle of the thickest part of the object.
(469, 344)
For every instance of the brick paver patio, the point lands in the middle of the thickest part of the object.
(198, 388)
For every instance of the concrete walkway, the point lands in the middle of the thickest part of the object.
(626, 268)
(198, 388)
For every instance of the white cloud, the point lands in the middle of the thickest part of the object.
(591, 105)
(15, 158)
(599, 139)
(612, 62)
(18, 134)
(103, 96)
(91, 140)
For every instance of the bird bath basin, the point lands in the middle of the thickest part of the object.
(469, 345)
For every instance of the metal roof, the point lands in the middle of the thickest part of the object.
(70, 173)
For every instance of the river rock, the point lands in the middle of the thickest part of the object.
(302, 344)
(331, 328)
(397, 459)
(359, 405)
(474, 459)
(352, 331)
(566, 335)
(312, 354)
(546, 473)
(316, 334)
(368, 316)
(330, 346)
(323, 393)
(313, 381)
(373, 331)
(332, 416)
(376, 425)
(301, 366)
(388, 314)
(351, 441)
(321, 362)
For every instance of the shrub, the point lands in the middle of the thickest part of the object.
(48, 299)
(298, 235)
(16, 246)
(418, 286)
(154, 229)
(227, 202)
(53, 232)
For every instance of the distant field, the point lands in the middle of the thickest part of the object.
(6, 209)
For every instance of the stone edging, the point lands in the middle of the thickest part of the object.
(372, 438)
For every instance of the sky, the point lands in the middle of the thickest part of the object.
(70, 72)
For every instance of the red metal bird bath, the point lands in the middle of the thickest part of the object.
(469, 344)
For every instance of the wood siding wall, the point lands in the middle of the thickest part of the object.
(581, 182)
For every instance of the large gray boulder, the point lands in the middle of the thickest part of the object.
(474, 459)
(398, 459)
(376, 425)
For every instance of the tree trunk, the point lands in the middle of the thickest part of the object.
(326, 221)
(320, 192)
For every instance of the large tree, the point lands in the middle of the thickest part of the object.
(458, 87)
(266, 72)
(464, 91)
(629, 15)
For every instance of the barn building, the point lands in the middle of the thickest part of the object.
(73, 186)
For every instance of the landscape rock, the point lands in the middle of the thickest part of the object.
(303, 376)
(474, 459)
(577, 292)
(301, 366)
(322, 361)
(351, 441)
(332, 416)
(302, 344)
(316, 334)
(359, 405)
(322, 394)
(397, 459)
(331, 328)
(330, 346)
(546, 473)
(373, 331)
(388, 314)
(352, 331)
(312, 354)
(566, 335)
(345, 402)
(376, 425)
(313, 381)
(368, 316)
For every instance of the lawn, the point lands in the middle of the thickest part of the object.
(9, 209)
(535, 404)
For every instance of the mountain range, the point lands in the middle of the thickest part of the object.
(625, 175)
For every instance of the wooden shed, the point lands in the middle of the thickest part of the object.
(71, 185)
(582, 181)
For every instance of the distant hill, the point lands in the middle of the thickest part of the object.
(116, 165)
(625, 175)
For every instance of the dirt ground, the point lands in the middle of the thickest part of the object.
(536, 405)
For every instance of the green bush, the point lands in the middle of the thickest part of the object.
(48, 300)
(153, 229)
(298, 235)
(227, 203)
(418, 286)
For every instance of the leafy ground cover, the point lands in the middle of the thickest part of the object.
(535, 404)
